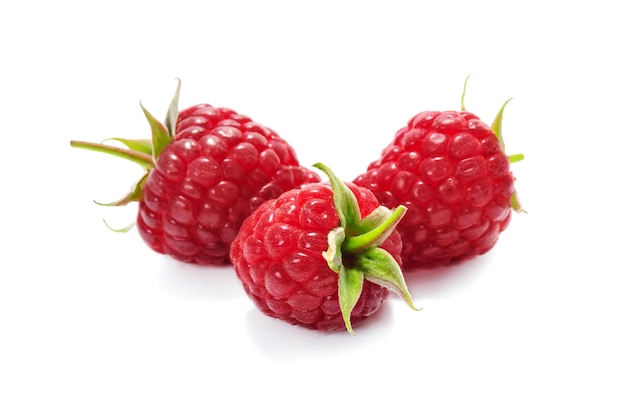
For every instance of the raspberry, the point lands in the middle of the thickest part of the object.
(450, 170)
(322, 257)
(207, 169)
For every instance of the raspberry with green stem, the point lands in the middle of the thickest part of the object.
(322, 257)
(206, 169)
(450, 170)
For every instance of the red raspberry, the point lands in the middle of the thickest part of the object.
(450, 170)
(313, 257)
(203, 178)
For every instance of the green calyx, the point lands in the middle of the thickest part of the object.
(353, 251)
(496, 126)
(143, 152)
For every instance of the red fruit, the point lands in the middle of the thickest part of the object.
(207, 169)
(450, 170)
(322, 256)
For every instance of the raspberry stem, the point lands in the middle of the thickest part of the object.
(376, 235)
(137, 157)
(140, 151)
(139, 145)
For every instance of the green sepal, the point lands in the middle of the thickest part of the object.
(139, 145)
(121, 230)
(140, 151)
(171, 118)
(130, 155)
(333, 254)
(133, 196)
(379, 267)
(160, 135)
(345, 200)
(464, 90)
(350, 287)
(496, 126)
(516, 204)
(515, 157)
(353, 251)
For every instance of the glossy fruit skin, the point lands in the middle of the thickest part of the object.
(219, 168)
(449, 170)
(278, 258)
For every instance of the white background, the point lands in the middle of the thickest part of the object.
(93, 323)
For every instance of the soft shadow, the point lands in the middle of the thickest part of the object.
(281, 341)
(446, 281)
(200, 282)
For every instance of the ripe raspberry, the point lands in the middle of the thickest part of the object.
(450, 170)
(322, 256)
(207, 170)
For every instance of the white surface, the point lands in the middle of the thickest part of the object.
(94, 324)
